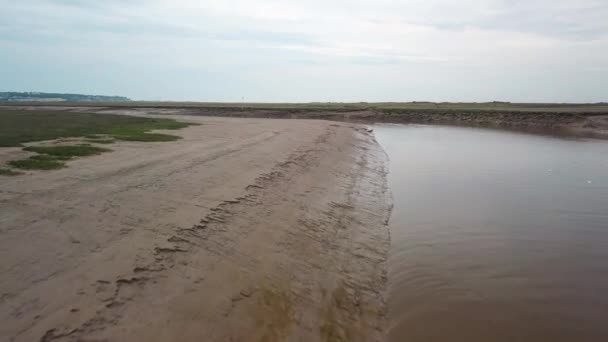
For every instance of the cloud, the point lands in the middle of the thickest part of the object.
(399, 44)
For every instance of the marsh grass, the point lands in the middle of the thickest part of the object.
(68, 151)
(49, 157)
(38, 162)
(17, 127)
(100, 141)
(20, 126)
(9, 172)
(145, 137)
(54, 157)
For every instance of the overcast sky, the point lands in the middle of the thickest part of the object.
(312, 50)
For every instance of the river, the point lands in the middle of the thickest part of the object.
(496, 236)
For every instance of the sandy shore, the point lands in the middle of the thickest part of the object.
(245, 230)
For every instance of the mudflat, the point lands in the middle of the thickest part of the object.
(244, 230)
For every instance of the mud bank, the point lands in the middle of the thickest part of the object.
(593, 125)
(246, 229)
(574, 124)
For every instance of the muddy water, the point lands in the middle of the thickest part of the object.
(496, 236)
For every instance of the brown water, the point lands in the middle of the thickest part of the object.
(496, 236)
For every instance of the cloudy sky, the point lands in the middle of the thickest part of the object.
(312, 50)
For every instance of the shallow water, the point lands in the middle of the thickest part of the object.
(496, 236)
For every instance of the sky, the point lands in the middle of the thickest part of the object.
(313, 50)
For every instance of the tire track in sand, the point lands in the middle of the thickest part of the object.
(299, 256)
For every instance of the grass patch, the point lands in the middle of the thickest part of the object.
(54, 157)
(146, 137)
(60, 152)
(39, 162)
(9, 172)
(100, 141)
(21, 126)
(49, 157)
(140, 133)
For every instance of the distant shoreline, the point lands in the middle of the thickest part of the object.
(580, 120)
(27, 96)
(579, 108)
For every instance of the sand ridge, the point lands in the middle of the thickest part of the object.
(247, 229)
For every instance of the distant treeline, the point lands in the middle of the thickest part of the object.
(35, 96)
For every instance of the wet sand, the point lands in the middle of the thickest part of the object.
(245, 230)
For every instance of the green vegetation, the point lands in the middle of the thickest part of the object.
(54, 157)
(9, 172)
(49, 157)
(147, 137)
(138, 133)
(67, 151)
(100, 141)
(17, 127)
(38, 162)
